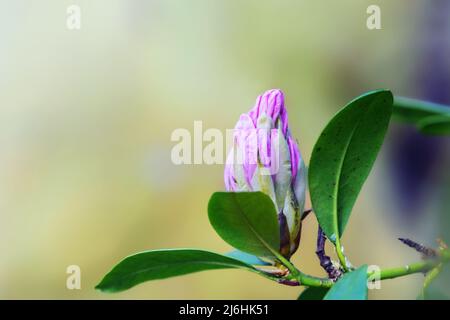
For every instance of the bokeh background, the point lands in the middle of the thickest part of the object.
(86, 118)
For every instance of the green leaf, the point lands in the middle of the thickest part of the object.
(352, 286)
(435, 125)
(313, 293)
(412, 110)
(343, 157)
(247, 221)
(247, 258)
(161, 264)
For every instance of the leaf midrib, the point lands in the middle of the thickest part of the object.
(273, 251)
(341, 165)
(189, 262)
(131, 275)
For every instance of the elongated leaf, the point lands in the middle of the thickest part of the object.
(161, 264)
(246, 220)
(313, 293)
(343, 157)
(247, 258)
(435, 125)
(352, 286)
(412, 110)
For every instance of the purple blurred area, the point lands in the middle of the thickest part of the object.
(417, 161)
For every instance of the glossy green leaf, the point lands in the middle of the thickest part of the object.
(161, 264)
(247, 258)
(343, 157)
(352, 286)
(313, 293)
(246, 220)
(435, 125)
(412, 110)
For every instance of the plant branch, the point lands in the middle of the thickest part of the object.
(418, 267)
(340, 254)
(302, 278)
(298, 278)
(431, 275)
(325, 261)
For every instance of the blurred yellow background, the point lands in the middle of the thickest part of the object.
(86, 118)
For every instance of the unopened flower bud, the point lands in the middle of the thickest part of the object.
(264, 157)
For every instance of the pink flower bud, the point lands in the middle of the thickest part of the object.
(264, 157)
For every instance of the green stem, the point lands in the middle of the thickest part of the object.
(340, 254)
(302, 278)
(432, 274)
(418, 267)
(390, 273)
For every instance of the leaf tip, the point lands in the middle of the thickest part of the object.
(103, 286)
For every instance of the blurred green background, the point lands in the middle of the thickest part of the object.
(86, 118)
